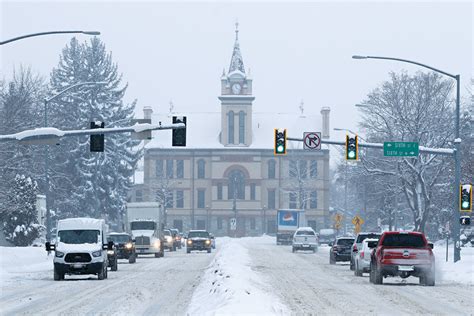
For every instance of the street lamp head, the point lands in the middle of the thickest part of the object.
(91, 32)
(359, 57)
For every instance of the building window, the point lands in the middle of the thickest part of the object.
(293, 169)
(236, 185)
(178, 224)
(271, 169)
(219, 223)
(179, 169)
(169, 168)
(252, 191)
(159, 168)
(302, 169)
(313, 171)
(231, 127)
(179, 199)
(292, 200)
(169, 196)
(219, 191)
(241, 127)
(201, 169)
(271, 199)
(200, 224)
(313, 202)
(138, 196)
(252, 223)
(201, 198)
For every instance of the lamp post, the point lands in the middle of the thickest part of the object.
(49, 33)
(207, 218)
(457, 145)
(264, 220)
(46, 163)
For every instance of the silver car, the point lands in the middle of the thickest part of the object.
(358, 245)
(362, 258)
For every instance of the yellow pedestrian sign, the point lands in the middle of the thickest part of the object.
(338, 218)
(357, 220)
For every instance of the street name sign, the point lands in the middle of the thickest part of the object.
(312, 140)
(400, 149)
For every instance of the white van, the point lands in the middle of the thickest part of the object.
(80, 248)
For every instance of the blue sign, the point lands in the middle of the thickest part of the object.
(288, 218)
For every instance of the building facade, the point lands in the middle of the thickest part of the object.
(228, 169)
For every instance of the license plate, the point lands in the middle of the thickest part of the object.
(77, 266)
(406, 268)
(305, 246)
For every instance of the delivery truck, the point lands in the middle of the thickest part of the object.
(288, 221)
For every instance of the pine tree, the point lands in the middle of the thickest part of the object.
(20, 223)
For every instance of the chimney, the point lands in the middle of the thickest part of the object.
(147, 112)
(325, 115)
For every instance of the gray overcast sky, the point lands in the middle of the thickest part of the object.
(295, 50)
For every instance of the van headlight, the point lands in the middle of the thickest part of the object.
(157, 244)
(208, 242)
(129, 245)
(97, 253)
(169, 238)
(190, 241)
(59, 254)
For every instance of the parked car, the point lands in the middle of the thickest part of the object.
(362, 258)
(213, 241)
(403, 254)
(198, 240)
(358, 244)
(341, 250)
(169, 241)
(176, 238)
(305, 238)
(124, 245)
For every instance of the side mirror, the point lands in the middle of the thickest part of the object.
(50, 247)
(430, 244)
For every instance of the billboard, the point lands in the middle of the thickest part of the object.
(288, 218)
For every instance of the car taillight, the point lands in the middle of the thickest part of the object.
(354, 248)
(362, 254)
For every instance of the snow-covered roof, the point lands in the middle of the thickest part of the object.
(80, 223)
(203, 129)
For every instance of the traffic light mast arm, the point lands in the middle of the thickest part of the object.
(422, 149)
(51, 132)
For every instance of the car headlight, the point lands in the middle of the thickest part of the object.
(110, 252)
(208, 242)
(157, 244)
(59, 254)
(169, 238)
(190, 241)
(129, 245)
(97, 253)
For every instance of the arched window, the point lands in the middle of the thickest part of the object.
(241, 127)
(271, 169)
(231, 127)
(201, 169)
(236, 185)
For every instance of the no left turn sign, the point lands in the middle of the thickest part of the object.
(312, 140)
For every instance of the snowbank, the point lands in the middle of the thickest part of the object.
(229, 286)
(17, 262)
(450, 272)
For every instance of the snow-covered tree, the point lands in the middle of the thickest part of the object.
(20, 222)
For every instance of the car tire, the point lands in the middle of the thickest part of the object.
(293, 249)
(331, 259)
(102, 273)
(132, 258)
(114, 266)
(378, 277)
(352, 265)
(188, 250)
(58, 276)
(209, 250)
(357, 271)
(314, 249)
(157, 254)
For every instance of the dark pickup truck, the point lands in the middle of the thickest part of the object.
(403, 254)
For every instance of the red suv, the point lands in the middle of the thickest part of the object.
(403, 254)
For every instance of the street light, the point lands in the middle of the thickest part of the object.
(457, 144)
(348, 130)
(49, 33)
(46, 164)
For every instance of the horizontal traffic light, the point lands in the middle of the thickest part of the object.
(352, 148)
(280, 141)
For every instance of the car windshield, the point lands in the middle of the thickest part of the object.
(403, 240)
(79, 236)
(305, 232)
(198, 234)
(167, 233)
(143, 225)
(345, 242)
(361, 237)
(119, 238)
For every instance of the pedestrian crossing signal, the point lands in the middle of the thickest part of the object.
(465, 220)
(465, 198)
(280, 141)
(352, 148)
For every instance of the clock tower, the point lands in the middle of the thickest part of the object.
(236, 101)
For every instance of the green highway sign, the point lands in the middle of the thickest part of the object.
(400, 149)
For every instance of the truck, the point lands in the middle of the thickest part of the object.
(144, 223)
(288, 221)
(327, 236)
(79, 248)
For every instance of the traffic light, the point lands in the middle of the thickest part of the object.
(179, 135)
(465, 220)
(280, 141)
(465, 198)
(97, 140)
(352, 148)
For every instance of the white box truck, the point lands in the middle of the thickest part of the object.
(145, 224)
(288, 221)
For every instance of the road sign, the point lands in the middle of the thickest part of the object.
(312, 140)
(338, 218)
(400, 149)
(357, 220)
(233, 224)
(337, 225)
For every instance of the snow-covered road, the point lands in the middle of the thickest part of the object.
(149, 287)
(308, 284)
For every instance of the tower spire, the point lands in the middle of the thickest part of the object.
(237, 62)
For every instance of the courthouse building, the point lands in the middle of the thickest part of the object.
(228, 168)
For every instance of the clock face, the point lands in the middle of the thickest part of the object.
(236, 88)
